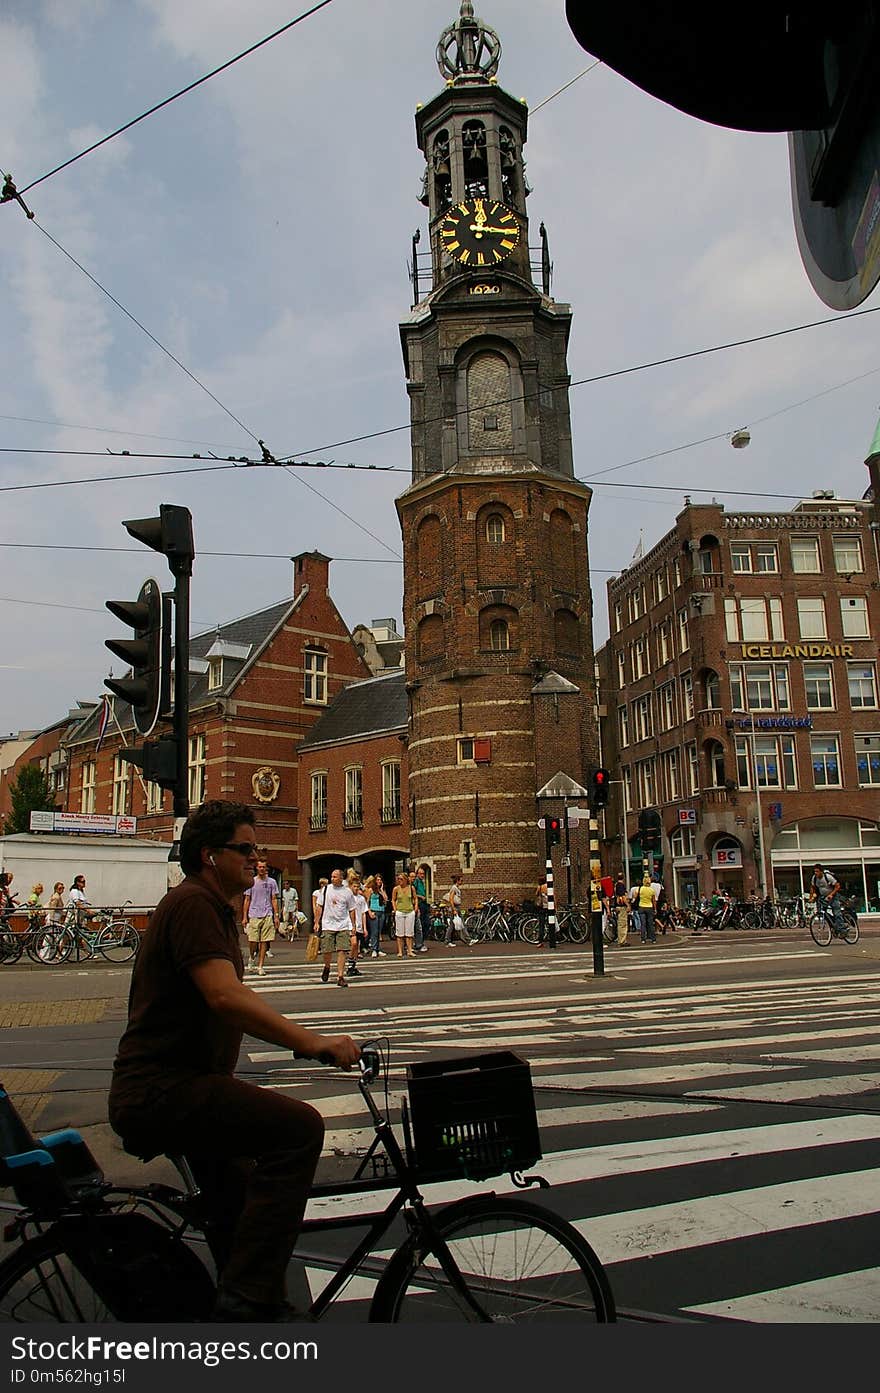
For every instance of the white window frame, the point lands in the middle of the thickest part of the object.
(197, 769)
(819, 686)
(671, 775)
(643, 726)
(215, 674)
(683, 638)
(750, 682)
(800, 547)
(870, 781)
(623, 726)
(89, 784)
(391, 791)
(687, 696)
(854, 616)
(766, 551)
(859, 705)
(499, 636)
(741, 558)
(155, 799)
(849, 543)
(354, 795)
(318, 799)
(316, 662)
(464, 749)
(666, 706)
(812, 620)
(496, 533)
(693, 764)
(121, 783)
(826, 756)
(769, 750)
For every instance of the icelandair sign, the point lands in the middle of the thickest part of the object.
(797, 650)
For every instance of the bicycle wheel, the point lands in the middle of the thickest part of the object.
(820, 930)
(117, 1267)
(579, 927)
(10, 947)
(520, 1263)
(530, 930)
(475, 927)
(118, 942)
(42, 946)
(850, 927)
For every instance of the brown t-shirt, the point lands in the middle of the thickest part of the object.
(172, 1035)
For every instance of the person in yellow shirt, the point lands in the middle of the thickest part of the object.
(598, 905)
(646, 904)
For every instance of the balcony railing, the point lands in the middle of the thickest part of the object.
(318, 822)
(391, 813)
(354, 817)
(710, 716)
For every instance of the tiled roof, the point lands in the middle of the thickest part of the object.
(363, 709)
(253, 632)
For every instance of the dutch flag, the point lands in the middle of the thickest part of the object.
(105, 721)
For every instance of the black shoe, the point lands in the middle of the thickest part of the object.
(229, 1307)
(353, 971)
(325, 975)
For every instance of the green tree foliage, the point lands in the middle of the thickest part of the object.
(29, 793)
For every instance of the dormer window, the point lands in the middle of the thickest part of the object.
(215, 674)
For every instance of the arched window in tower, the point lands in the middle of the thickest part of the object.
(562, 551)
(441, 172)
(489, 418)
(430, 636)
(496, 545)
(509, 174)
(566, 633)
(498, 628)
(476, 166)
(429, 568)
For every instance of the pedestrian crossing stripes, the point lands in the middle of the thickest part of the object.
(718, 1145)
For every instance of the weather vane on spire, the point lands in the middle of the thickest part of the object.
(468, 51)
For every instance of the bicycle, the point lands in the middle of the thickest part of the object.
(823, 929)
(102, 1253)
(488, 922)
(113, 937)
(36, 939)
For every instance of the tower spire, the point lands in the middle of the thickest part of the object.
(468, 51)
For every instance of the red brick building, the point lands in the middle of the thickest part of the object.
(352, 781)
(742, 701)
(257, 686)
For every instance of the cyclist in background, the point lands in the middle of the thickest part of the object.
(826, 888)
(253, 1151)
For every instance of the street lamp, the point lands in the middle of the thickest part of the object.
(762, 879)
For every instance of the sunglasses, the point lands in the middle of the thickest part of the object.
(243, 848)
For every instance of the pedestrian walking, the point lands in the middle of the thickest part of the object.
(290, 911)
(423, 909)
(620, 902)
(336, 917)
(55, 904)
(647, 904)
(403, 902)
(454, 921)
(260, 916)
(359, 934)
(77, 901)
(317, 901)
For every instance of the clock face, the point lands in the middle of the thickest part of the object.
(479, 232)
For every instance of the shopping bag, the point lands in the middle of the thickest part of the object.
(312, 948)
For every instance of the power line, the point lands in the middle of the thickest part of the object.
(109, 430)
(564, 88)
(173, 98)
(152, 337)
(603, 377)
(338, 509)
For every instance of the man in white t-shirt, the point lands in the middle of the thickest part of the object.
(359, 937)
(337, 922)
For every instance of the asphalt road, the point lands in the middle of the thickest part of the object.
(709, 1108)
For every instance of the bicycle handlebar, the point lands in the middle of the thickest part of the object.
(368, 1064)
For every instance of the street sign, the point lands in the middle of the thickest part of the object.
(577, 815)
(542, 823)
(687, 817)
(775, 811)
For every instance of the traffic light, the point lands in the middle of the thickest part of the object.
(554, 831)
(650, 829)
(148, 654)
(599, 788)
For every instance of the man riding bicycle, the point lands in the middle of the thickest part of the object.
(253, 1151)
(826, 888)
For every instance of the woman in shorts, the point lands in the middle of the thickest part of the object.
(403, 902)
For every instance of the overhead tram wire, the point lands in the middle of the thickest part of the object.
(598, 377)
(565, 86)
(338, 509)
(110, 430)
(174, 96)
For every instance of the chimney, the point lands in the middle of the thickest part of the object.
(311, 569)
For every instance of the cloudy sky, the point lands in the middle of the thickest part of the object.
(260, 228)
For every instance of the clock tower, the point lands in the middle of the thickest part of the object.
(497, 610)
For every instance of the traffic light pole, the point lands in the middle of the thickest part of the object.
(181, 705)
(597, 942)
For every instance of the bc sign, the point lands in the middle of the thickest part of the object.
(725, 857)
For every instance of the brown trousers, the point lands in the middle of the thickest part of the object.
(254, 1154)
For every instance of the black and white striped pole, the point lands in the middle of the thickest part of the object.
(597, 940)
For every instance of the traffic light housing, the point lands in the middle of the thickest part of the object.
(650, 829)
(148, 654)
(157, 761)
(599, 788)
(554, 831)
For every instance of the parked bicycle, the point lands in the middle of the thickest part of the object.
(100, 1253)
(489, 921)
(108, 935)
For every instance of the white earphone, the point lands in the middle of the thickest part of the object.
(213, 862)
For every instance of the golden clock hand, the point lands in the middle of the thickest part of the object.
(503, 231)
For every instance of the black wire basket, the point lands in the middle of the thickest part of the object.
(472, 1116)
